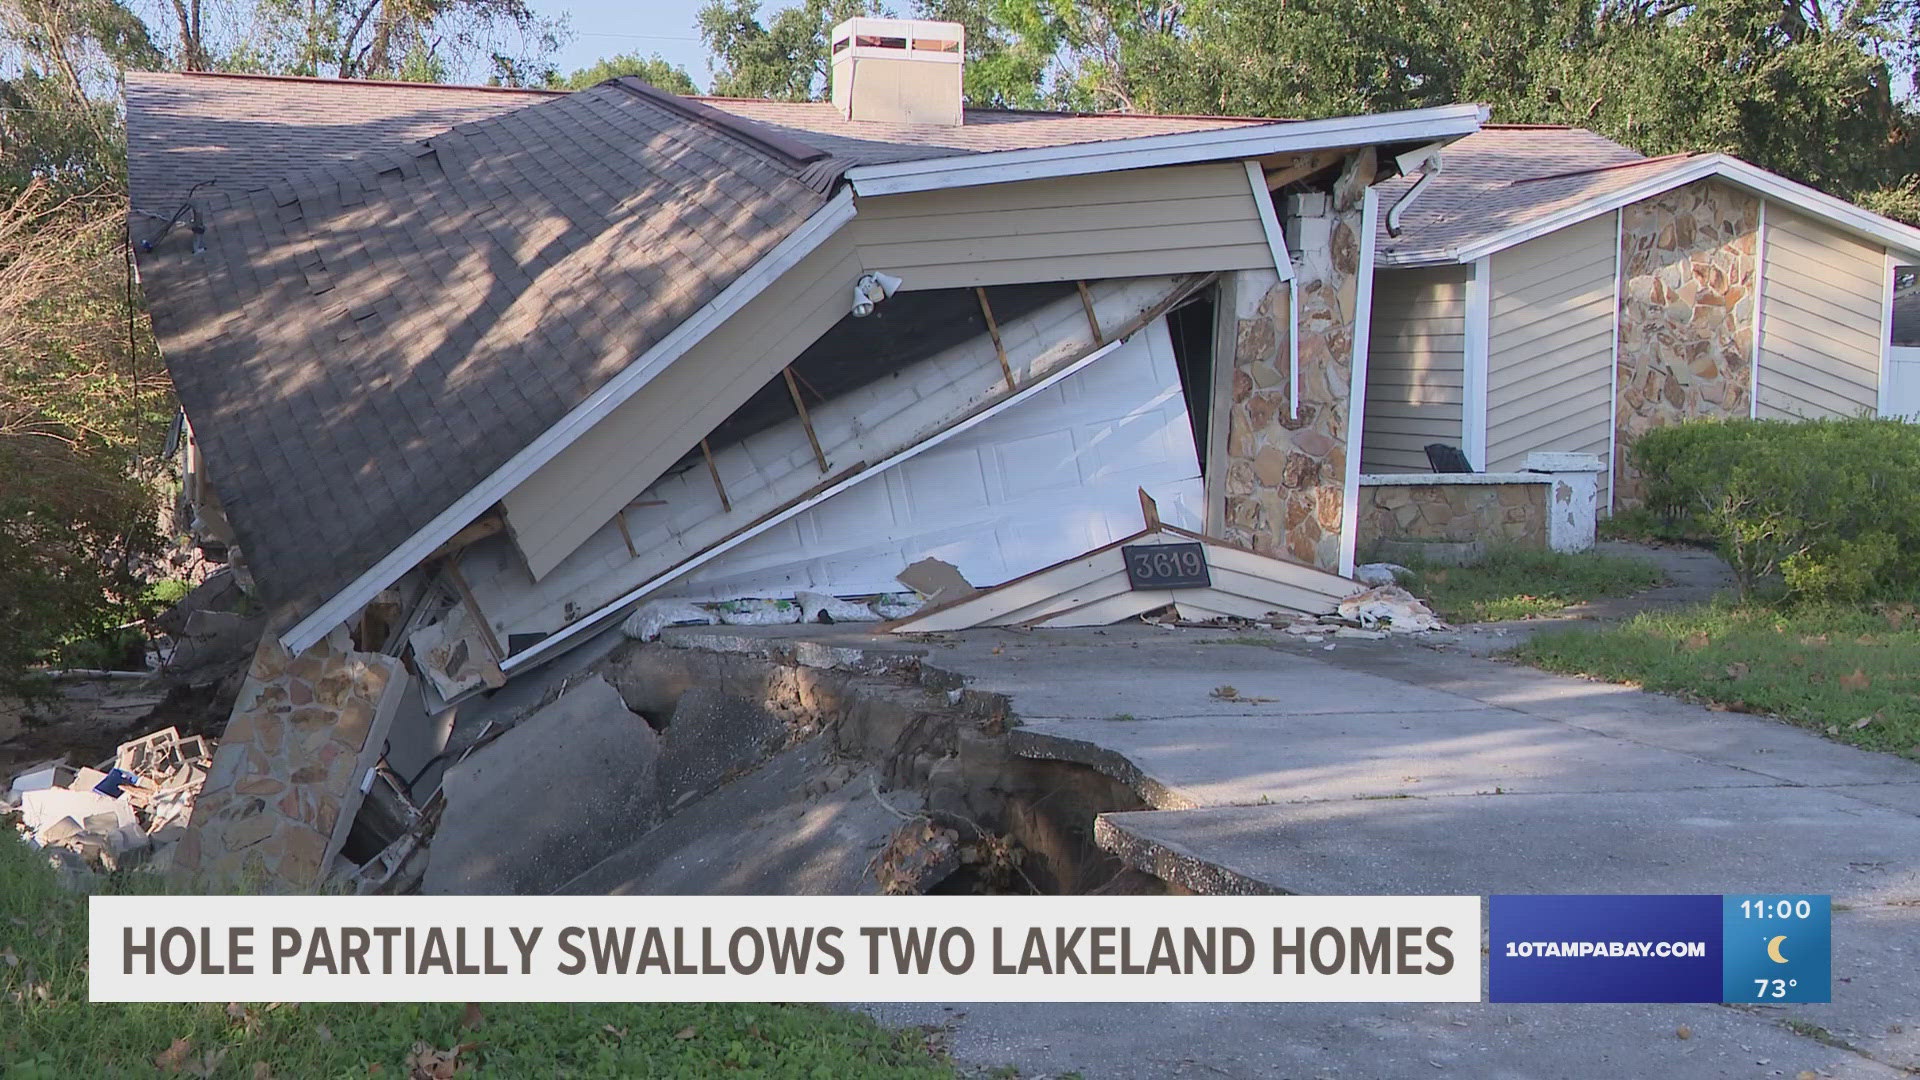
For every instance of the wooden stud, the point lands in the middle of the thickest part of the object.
(805, 420)
(479, 529)
(1149, 510)
(726, 504)
(1303, 166)
(626, 537)
(1086, 301)
(993, 328)
(473, 610)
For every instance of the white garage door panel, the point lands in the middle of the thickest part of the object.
(1041, 482)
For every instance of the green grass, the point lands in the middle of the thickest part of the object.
(48, 1028)
(1522, 584)
(1825, 667)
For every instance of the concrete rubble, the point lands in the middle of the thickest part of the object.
(127, 812)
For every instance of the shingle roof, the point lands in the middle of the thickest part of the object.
(1502, 178)
(360, 345)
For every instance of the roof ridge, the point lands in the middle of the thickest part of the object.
(1636, 163)
(387, 83)
(791, 152)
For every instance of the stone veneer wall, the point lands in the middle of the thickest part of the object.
(1686, 313)
(283, 790)
(1286, 474)
(1505, 514)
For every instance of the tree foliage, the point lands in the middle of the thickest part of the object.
(653, 70)
(1818, 90)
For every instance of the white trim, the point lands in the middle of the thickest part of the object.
(1613, 374)
(1838, 212)
(1886, 335)
(596, 621)
(1269, 220)
(1357, 379)
(1282, 265)
(1474, 346)
(813, 232)
(1759, 316)
(1442, 123)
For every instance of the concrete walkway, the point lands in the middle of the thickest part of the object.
(1386, 767)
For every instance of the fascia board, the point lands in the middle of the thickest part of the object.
(630, 380)
(1441, 123)
(1758, 181)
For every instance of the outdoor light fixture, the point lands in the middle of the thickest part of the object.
(870, 290)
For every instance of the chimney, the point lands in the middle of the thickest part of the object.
(901, 71)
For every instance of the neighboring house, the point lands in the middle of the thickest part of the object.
(474, 371)
(1550, 290)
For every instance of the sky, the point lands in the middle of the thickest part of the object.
(607, 27)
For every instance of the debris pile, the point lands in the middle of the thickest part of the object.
(124, 812)
(1390, 606)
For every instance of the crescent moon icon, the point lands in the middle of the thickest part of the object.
(1773, 949)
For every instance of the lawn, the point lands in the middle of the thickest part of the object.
(1516, 583)
(1852, 672)
(49, 1030)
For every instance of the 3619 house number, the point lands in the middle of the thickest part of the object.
(1166, 566)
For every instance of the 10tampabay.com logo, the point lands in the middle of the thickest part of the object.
(1774, 949)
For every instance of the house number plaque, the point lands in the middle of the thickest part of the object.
(1166, 566)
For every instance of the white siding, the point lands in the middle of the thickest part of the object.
(570, 498)
(1550, 345)
(1414, 367)
(1128, 224)
(1820, 320)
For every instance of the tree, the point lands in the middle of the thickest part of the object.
(653, 70)
(785, 59)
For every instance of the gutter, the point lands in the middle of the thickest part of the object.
(630, 380)
(1427, 160)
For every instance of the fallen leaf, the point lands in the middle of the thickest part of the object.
(208, 1064)
(685, 1033)
(1695, 641)
(1806, 1074)
(1859, 680)
(1814, 640)
(618, 1033)
(169, 1060)
(428, 1063)
(1833, 729)
(1225, 693)
(1866, 639)
(374, 1068)
(1864, 721)
(1737, 670)
(1683, 1032)
(471, 1017)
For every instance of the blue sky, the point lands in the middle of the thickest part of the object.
(606, 27)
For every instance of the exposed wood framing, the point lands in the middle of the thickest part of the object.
(482, 527)
(626, 536)
(490, 673)
(806, 421)
(1093, 321)
(855, 474)
(1149, 510)
(993, 329)
(1303, 166)
(706, 451)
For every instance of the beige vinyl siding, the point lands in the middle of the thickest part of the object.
(1550, 345)
(576, 493)
(1414, 367)
(1128, 224)
(1820, 321)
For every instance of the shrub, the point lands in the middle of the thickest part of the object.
(1829, 506)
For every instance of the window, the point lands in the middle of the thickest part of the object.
(1906, 307)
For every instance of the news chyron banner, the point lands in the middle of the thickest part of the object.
(785, 948)
(1775, 949)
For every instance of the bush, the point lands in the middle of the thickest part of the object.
(1830, 506)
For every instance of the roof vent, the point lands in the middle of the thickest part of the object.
(901, 71)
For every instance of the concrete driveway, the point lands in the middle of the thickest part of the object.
(1387, 767)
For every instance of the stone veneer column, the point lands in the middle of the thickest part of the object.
(1686, 313)
(1286, 474)
(282, 790)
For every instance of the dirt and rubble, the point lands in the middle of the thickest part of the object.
(124, 812)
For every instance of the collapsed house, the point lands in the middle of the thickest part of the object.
(469, 373)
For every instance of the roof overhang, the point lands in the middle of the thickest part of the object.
(1438, 124)
(631, 379)
(1837, 212)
